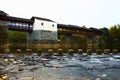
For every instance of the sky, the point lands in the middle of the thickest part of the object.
(91, 13)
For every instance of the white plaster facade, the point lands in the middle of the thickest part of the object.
(43, 30)
(44, 25)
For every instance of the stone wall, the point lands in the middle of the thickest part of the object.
(41, 35)
(3, 36)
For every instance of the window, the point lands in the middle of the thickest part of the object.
(20, 24)
(42, 24)
(17, 24)
(24, 25)
(13, 24)
(30, 26)
(9, 23)
(53, 25)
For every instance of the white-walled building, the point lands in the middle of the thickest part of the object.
(43, 30)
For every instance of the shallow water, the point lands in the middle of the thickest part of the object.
(21, 68)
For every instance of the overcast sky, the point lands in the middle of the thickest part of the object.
(91, 13)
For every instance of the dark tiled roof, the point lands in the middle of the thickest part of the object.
(45, 19)
(73, 27)
(96, 30)
(78, 27)
(19, 19)
(2, 13)
(63, 25)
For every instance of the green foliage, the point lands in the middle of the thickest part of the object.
(112, 39)
(104, 29)
(114, 32)
(114, 36)
(17, 40)
(17, 35)
(74, 41)
(102, 42)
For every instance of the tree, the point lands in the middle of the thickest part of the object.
(83, 26)
(113, 32)
(104, 29)
(102, 42)
(114, 35)
(112, 39)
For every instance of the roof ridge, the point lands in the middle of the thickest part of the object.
(3, 13)
(42, 19)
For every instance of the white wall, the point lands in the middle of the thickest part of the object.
(47, 25)
(44, 32)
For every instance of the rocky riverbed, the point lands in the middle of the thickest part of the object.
(55, 67)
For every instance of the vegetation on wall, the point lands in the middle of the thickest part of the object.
(17, 40)
(111, 39)
(72, 41)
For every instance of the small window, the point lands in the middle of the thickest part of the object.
(42, 24)
(17, 24)
(13, 24)
(53, 25)
(24, 25)
(30, 26)
(9, 23)
(20, 24)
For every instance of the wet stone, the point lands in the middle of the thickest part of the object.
(60, 52)
(76, 67)
(80, 51)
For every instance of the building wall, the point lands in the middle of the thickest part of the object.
(69, 41)
(92, 42)
(3, 36)
(43, 31)
(44, 25)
